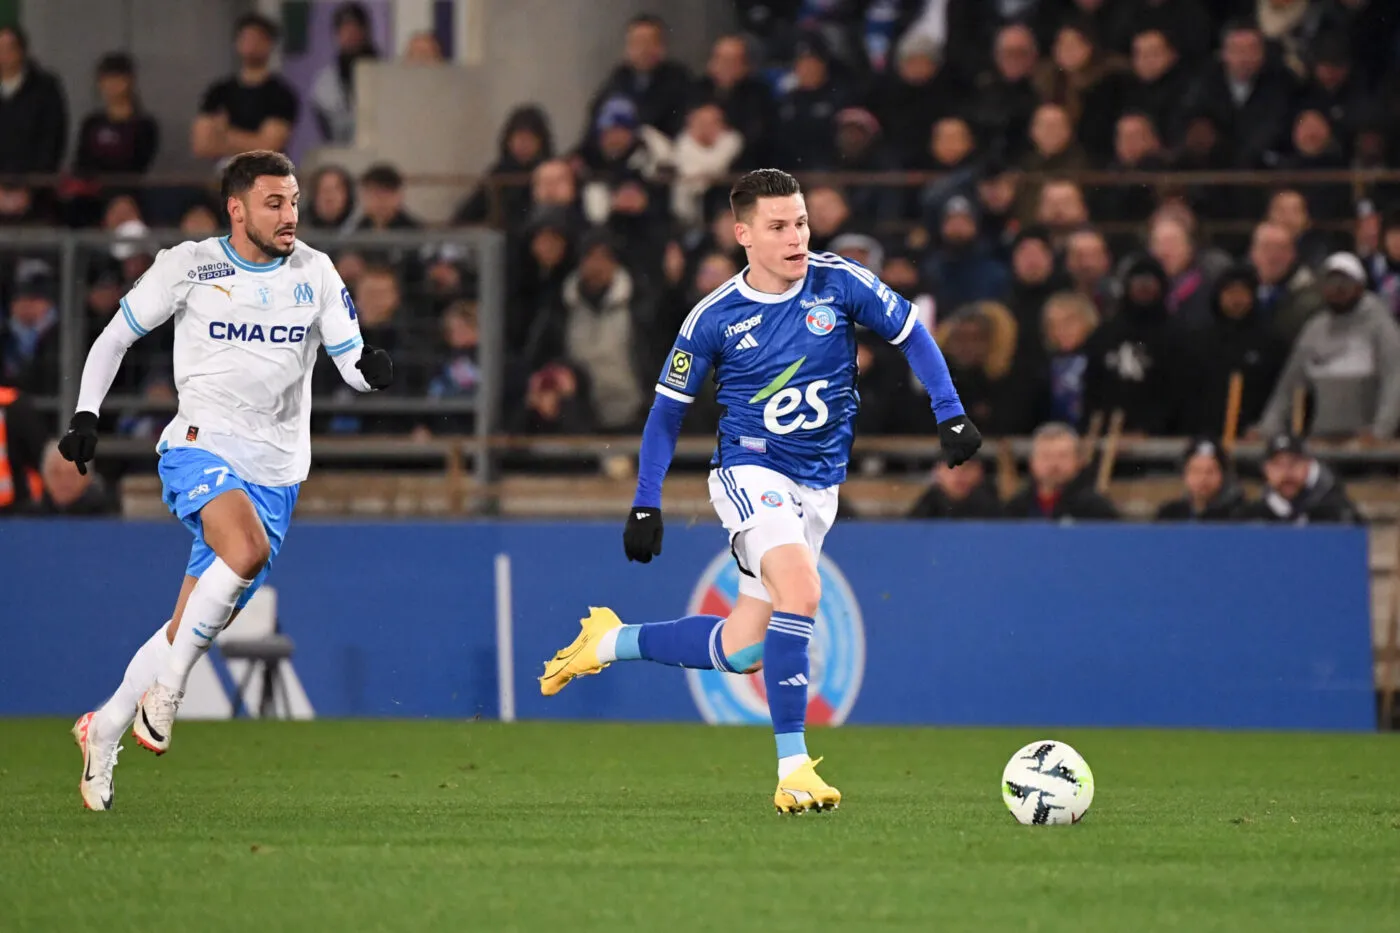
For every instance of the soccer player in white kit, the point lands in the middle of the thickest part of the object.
(250, 310)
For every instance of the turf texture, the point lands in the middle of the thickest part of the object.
(349, 826)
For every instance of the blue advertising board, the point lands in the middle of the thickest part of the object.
(921, 623)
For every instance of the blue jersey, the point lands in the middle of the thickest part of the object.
(785, 365)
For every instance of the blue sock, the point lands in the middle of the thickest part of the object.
(683, 643)
(785, 670)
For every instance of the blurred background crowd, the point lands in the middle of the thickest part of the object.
(1058, 185)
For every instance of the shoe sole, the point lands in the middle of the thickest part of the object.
(148, 746)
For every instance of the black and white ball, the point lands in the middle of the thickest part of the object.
(1047, 783)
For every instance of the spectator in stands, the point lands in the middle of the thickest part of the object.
(998, 190)
(253, 109)
(1369, 30)
(68, 492)
(601, 328)
(1287, 25)
(746, 99)
(1084, 80)
(33, 113)
(953, 149)
(828, 216)
(1203, 149)
(704, 153)
(458, 373)
(384, 322)
(525, 143)
(1289, 210)
(1137, 361)
(620, 149)
(1054, 150)
(963, 267)
(556, 402)
(1069, 320)
(1250, 96)
(804, 137)
(332, 199)
(554, 189)
(1210, 493)
(1033, 281)
(1058, 489)
(1348, 357)
(333, 91)
(1384, 264)
(979, 342)
(1235, 340)
(119, 137)
(1061, 211)
(860, 149)
(909, 99)
(1288, 291)
(658, 87)
(1299, 490)
(1137, 147)
(1089, 264)
(1006, 98)
(1315, 149)
(1335, 90)
(1188, 285)
(638, 234)
(199, 221)
(382, 200)
(545, 260)
(1184, 22)
(961, 492)
(22, 436)
(423, 48)
(1159, 82)
(29, 338)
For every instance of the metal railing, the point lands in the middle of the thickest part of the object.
(73, 254)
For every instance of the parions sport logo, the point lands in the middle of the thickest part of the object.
(837, 653)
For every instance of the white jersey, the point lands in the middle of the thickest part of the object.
(245, 343)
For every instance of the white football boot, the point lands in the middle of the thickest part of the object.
(99, 758)
(155, 717)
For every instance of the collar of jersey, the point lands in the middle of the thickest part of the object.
(241, 263)
(768, 298)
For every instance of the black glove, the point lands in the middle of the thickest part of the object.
(641, 539)
(80, 443)
(374, 364)
(959, 439)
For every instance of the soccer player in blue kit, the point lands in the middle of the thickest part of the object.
(780, 338)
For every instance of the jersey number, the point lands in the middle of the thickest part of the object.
(787, 401)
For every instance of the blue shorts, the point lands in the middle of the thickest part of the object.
(191, 478)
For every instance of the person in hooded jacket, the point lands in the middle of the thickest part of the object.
(1209, 490)
(1299, 490)
(524, 143)
(1138, 361)
(1237, 340)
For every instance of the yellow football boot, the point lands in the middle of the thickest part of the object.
(804, 790)
(580, 658)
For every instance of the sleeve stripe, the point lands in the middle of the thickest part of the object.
(688, 327)
(343, 345)
(673, 394)
(865, 275)
(343, 348)
(910, 320)
(130, 318)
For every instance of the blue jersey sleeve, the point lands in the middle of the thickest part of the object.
(691, 358)
(875, 305)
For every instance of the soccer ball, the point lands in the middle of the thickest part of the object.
(1047, 783)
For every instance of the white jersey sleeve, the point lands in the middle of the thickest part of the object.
(152, 301)
(338, 326)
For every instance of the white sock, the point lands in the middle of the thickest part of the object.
(115, 716)
(607, 645)
(790, 764)
(206, 613)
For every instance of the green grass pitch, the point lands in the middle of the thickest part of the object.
(349, 826)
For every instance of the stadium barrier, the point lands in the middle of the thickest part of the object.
(1229, 628)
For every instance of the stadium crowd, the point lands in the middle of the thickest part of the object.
(1053, 299)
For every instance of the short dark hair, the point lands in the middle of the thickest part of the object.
(244, 169)
(1240, 24)
(382, 175)
(115, 63)
(257, 21)
(648, 19)
(21, 37)
(760, 183)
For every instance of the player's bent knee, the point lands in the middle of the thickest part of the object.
(248, 554)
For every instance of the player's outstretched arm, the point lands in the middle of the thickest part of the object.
(641, 538)
(149, 304)
(957, 435)
(364, 368)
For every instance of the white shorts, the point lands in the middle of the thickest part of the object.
(763, 509)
